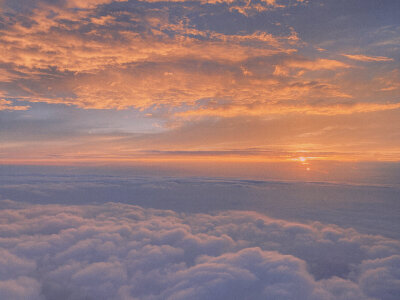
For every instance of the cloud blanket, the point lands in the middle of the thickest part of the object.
(122, 251)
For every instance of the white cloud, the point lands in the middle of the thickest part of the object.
(119, 251)
(21, 288)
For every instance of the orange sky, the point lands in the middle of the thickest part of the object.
(107, 81)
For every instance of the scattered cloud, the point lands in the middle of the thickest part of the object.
(177, 63)
(8, 105)
(389, 82)
(144, 59)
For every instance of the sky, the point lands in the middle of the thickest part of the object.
(105, 81)
(202, 149)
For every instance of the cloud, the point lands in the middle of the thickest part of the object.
(366, 58)
(147, 59)
(381, 271)
(118, 251)
(284, 109)
(319, 64)
(89, 3)
(20, 288)
(150, 59)
(7, 105)
(389, 82)
(176, 64)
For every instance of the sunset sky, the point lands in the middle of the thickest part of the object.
(105, 81)
(199, 149)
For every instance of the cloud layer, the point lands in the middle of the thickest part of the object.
(118, 251)
(238, 74)
(120, 54)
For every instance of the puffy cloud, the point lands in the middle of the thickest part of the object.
(20, 288)
(117, 251)
(380, 277)
(14, 284)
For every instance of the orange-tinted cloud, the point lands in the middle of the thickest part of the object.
(318, 64)
(152, 68)
(284, 109)
(89, 3)
(216, 77)
(48, 42)
(366, 58)
(7, 105)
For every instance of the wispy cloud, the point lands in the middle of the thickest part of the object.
(8, 105)
(284, 109)
(182, 63)
(156, 63)
(140, 58)
(366, 58)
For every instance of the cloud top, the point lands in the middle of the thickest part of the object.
(118, 251)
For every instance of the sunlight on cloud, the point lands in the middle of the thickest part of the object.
(186, 63)
(7, 105)
(118, 71)
(238, 149)
(361, 57)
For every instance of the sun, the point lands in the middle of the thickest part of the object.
(302, 159)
